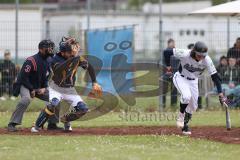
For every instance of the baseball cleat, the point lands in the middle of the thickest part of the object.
(186, 133)
(54, 127)
(12, 127)
(34, 130)
(67, 127)
(180, 120)
(186, 130)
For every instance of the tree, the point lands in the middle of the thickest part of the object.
(216, 2)
(139, 3)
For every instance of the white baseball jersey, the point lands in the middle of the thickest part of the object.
(190, 67)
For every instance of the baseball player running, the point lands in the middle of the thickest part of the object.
(64, 67)
(192, 64)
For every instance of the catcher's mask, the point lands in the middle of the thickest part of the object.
(69, 46)
(48, 45)
(66, 44)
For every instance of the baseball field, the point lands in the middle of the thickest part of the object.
(121, 135)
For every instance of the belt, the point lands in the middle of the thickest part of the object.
(191, 79)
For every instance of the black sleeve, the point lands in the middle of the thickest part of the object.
(83, 63)
(26, 69)
(91, 72)
(87, 66)
(167, 53)
(231, 53)
(13, 71)
(228, 53)
(217, 81)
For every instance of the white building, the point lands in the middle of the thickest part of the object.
(30, 30)
(177, 24)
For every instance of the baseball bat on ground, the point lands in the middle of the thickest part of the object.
(228, 120)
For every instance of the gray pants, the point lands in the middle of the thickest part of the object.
(24, 103)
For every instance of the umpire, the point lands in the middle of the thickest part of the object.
(32, 81)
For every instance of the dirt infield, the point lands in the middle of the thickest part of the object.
(219, 134)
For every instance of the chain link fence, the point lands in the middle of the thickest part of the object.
(182, 28)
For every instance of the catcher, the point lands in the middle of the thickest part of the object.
(64, 66)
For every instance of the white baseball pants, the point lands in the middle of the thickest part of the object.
(188, 90)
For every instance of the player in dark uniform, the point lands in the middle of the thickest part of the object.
(64, 66)
(32, 81)
(8, 72)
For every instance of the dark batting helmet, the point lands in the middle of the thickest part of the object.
(200, 48)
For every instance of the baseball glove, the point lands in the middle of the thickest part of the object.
(96, 91)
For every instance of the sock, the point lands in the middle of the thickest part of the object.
(187, 118)
(183, 107)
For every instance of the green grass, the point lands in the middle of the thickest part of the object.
(36, 104)
(149, 147)
(10, 105)
(142, 104)
(202, 118)
(113, 148)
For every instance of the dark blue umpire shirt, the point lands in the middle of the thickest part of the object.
(34, 72)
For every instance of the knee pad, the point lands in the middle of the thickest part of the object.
(52, 105)
(55, 102)
(81, 107)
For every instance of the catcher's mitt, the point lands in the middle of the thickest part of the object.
(96, 91)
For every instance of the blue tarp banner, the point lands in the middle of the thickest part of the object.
(115, 49)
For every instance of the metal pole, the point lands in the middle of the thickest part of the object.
(228, 31)
(47, 36)
(161, 56)
(16, 31)
(160, 30)
(88, 13)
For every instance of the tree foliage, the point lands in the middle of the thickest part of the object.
(139, 3)
(215, 2)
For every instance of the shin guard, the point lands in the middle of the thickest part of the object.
(77, 112)
(43, 117)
